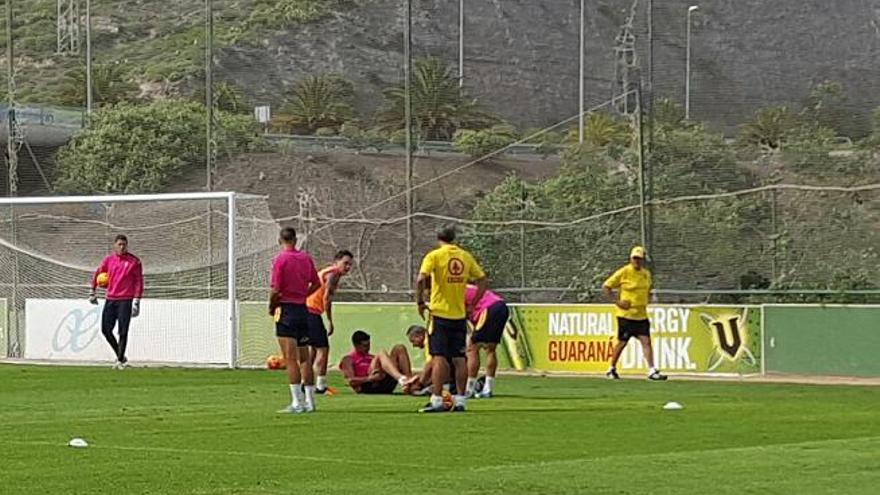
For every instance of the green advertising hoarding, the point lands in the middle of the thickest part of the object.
(386, 324)
(685, 339)
(552, 338)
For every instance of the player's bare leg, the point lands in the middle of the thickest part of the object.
(648, 351)
(319, 357)
(473, 360)
(439, 374)
(290, 351)
(473, 368)
(491, 360)
(308, 377)
(461, 375)
(618, 350)
(396, 364)
(420, 384)
(491, 369)
(387, 366)
(400, 356)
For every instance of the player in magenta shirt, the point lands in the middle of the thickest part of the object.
(124, 290)
(294, 279)
(489, 317)
(379, 374)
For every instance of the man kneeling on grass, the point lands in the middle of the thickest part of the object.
(366, 373)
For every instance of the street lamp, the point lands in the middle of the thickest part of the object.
(687, 79)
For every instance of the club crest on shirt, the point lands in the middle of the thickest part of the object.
(455, 270)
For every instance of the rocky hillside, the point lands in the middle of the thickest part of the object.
(520, 55)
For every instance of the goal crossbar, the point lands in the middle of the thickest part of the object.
(124, 198)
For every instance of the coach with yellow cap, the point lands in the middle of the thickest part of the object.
(633, 284)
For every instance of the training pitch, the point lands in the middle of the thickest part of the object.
(216, 432)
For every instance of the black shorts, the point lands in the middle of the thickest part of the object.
(447, 338)
(384, 386)
(493, 328)
(293, 323)
(317, 331)
(627, 329)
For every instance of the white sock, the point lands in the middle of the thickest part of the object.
(612, 368)
(321, 382)
(310, 395)
(436, 401)
(490, 383)
(652, 370)
(296, 395)
(459, 400)
(471, 384)
(446, 387)
(402, 380)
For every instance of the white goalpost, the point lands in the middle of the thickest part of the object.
(202, 254)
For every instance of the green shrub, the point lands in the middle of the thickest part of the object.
(479, 143)
(143, 148)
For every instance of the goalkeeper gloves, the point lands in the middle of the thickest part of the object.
(135, 308)
(92, 297)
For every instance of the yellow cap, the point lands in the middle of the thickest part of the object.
(638, 252)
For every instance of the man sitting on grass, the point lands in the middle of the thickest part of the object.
(366, 373)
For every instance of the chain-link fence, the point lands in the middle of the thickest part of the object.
(737, 140)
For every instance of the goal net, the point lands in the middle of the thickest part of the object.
(202, 255)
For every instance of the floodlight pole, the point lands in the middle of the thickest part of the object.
(11, 140)
(687, 78)
(407, 112)
(89, 90)
(14, 348)
(209, 133)
(460, 43)
(643, 210)
(209, 93)
(581, 63)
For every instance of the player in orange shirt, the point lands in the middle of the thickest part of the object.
(320, 303)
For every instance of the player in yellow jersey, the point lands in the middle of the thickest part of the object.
(633, 283)
(445, 272)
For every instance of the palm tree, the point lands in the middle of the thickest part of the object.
(228, 97)
(439, 106)
(323, 101)
(668, 114)
(770, 128)
(603, 131)
(110, 86)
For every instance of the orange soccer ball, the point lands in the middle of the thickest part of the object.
(275, 363)
(103, 280)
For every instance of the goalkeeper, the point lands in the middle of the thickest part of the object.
(125, 286)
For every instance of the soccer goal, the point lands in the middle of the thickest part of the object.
(202, 254)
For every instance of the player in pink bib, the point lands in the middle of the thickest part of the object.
(366, 373)
(125, 286)
(489, 317)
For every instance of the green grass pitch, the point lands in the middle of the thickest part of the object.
(216, 432)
